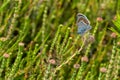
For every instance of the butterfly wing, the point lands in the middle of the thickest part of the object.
(83, 24)
(81, 17)
(82, 28)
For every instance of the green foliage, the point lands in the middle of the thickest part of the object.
(116, 29)
(39, 40)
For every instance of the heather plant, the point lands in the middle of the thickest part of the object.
(39, 40)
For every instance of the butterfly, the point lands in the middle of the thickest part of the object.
(83, 24)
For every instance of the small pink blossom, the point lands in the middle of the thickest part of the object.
(52, 61)
(113, 35)
(6, 55)
(91, 39)
(21, 44)
(84, 59)
(115, 17)
(3, 38)
(118, 43)
(76, 66)
(99, 19)
(103, 69)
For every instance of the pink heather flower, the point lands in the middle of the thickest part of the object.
(84, 59)
(3, 38)
(91, 39)
(99, 19)
(103, 69)
(39, 53)
(115, 17)
(25, 49)
(21, 44)
(113, 35)
(118, 43)
(6, 55)
(26, 75)
(76, 66)
(52, 61)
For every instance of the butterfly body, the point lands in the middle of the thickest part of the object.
(83, 24)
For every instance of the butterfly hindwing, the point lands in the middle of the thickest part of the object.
(82, 28)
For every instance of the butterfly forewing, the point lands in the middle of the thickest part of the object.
(81, 17)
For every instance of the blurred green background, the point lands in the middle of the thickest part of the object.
(39, 40)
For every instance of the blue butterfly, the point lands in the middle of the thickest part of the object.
(83, 24)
